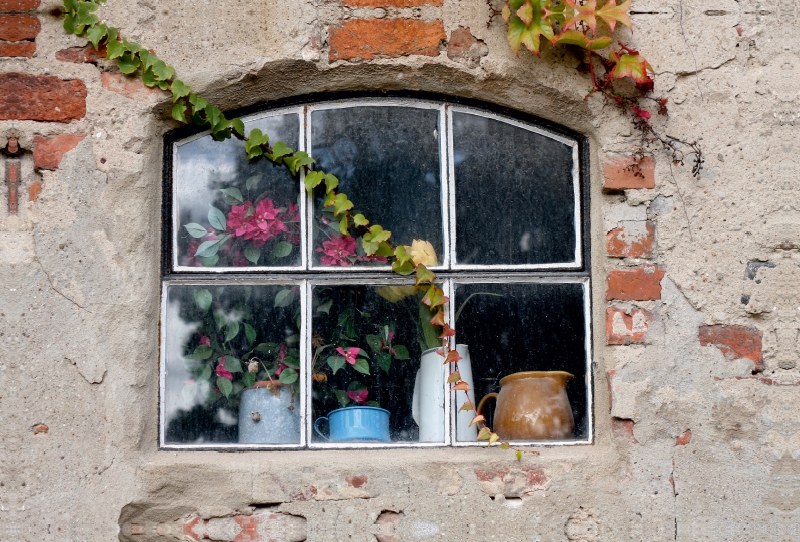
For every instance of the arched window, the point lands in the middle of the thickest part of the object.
(275, 325)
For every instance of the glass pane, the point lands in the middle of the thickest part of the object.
(511, 328)
(233, 212)
(516, 206)
(387, 162)
(368, 342)
(232, 365)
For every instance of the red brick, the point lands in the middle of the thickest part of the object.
(622, 428)
(624, 172)
(48, 151)
(511, 482)
(635, 284)
(370, 38)
(356, 481)
(635, 239)
(12, 180)
(131, 87)
(34, 189)
(19, 27)
(684, 438)
(41, 428)
(463, 45)
(87, 54)
(41, 97)
(21, 49)
(19, 5)
(391, 3)
(626, 328)
(734, 342)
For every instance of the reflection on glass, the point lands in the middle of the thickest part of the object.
(233, 212)
(367, 343)
(231, 347)
(516, 327)
(387, 162)
(514, 207)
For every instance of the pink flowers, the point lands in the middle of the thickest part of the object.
(281, 357)
(259, 224)
(359, 397)
(222, 371)
(204, 341)
(349, 355)
(338, 251)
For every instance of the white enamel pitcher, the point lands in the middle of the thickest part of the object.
(427, 404)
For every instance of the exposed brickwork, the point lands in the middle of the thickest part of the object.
(19, 27)
(464, 46)
(87, 54)
(734, 342)
(621, 428)
(48, 151)
(391, 3)
(625, 172)
(12, 181)
(634, 239)
(19, 49)
(512, 482)
(34, 189)
(41, 428)
(19, 5)
(369, 38)
(635, 284)
(130, 87)
(41, 97)
(258, 527)
(627, 328)
(684, 438)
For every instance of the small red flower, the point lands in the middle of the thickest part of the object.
(358, 397)
(350, 355)
(338, 251)
(204, 341)
(222, 371)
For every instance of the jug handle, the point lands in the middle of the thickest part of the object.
(316, 426)
(485, 397)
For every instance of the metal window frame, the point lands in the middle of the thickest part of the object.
(449, 272)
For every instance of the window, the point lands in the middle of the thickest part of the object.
(274, 325)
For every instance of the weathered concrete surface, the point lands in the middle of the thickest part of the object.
(79, 275)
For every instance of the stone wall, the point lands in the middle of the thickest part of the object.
(696, 281)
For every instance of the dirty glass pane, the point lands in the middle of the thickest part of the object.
(387, 162)
(233, 212)
(368, 342)
(510, 328)
(232, 352)
(514, 205)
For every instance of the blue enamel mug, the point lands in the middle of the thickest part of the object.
(356, 424)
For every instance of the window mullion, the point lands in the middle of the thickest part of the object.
(306, 355)
(451, 188)
(449, 411)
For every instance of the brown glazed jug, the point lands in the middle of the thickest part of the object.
(532, 405)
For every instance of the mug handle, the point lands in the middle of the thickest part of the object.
(316, 428)
(483, 401)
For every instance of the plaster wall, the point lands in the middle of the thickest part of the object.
(695, 438)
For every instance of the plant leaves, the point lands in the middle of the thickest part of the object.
(312, 180)
(374, 343)
(342, 397)
(216, 218)
(336, 363)
(326, 307)
(195, 230)
(280, 149)
(288, 376)
(202, 352)
(362, 366)
(484, 433)
(208, 249)
(284, 298)
(252, 182)
(401, 352)
(477, 419)
(233, 193)
(233, 364)
(128, 63)
(461, 386)
(179, 90)
(454, 377)
(267, 349)
(210, 261)
(385, 361)
(178, 111)
(188, 393)
(252, 253)
(225, 386)
(250, 333)
(576, 13)
(203, 299)
(282, 249)
(631, 65)
(466, 407)
(231, 330)
(424, 275)
(96, 33)
(359, 220)
(611, 13)
(331, 182)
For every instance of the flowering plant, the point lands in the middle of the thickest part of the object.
(253, 230)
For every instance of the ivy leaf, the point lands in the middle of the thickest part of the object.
(400, 352)
(577, 13)
(460, 386)
(238, 126)
(477, 419)
(203, 299)
(484, 433)
(518, 455)
(280, 149)
(599, 43)
(252, 253)
(434, 297)
(178, 110)
(282, 249)
(331, 182)
(288, 376)
(405, 268)
(216, 218)
(250, 333)
(179, 90)
(494, 437)
(362, 366)
(526, 12)
(162, 71)
(360, 220)
(114, 48)
(284, 298)
(454, 377)
(198, 103)
(202, 352)
(336, 363)
(231, 330)
(225, 386)
(195, 230)
(148, 59)
(466, 407)
(312, 180)
(234, 193)
(611, 13)
(631, 65)
(205, 374)
(341, 204)
(69, 24)
(208, 249)
(96, 33)
(424, 275)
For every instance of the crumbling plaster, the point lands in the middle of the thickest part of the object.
(80, 276)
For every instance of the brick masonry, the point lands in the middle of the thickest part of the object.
(87, 54)
(634, 239)
(132, 88)
(19, 27)
(366, 39)
(19, 5)
(635, 283)
(41, 97)
(627, 327)
(624, 172)
(464, 46)
(734, 342)
(48, 151)
(19, 49)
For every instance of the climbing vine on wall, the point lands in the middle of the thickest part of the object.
(531, 23)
